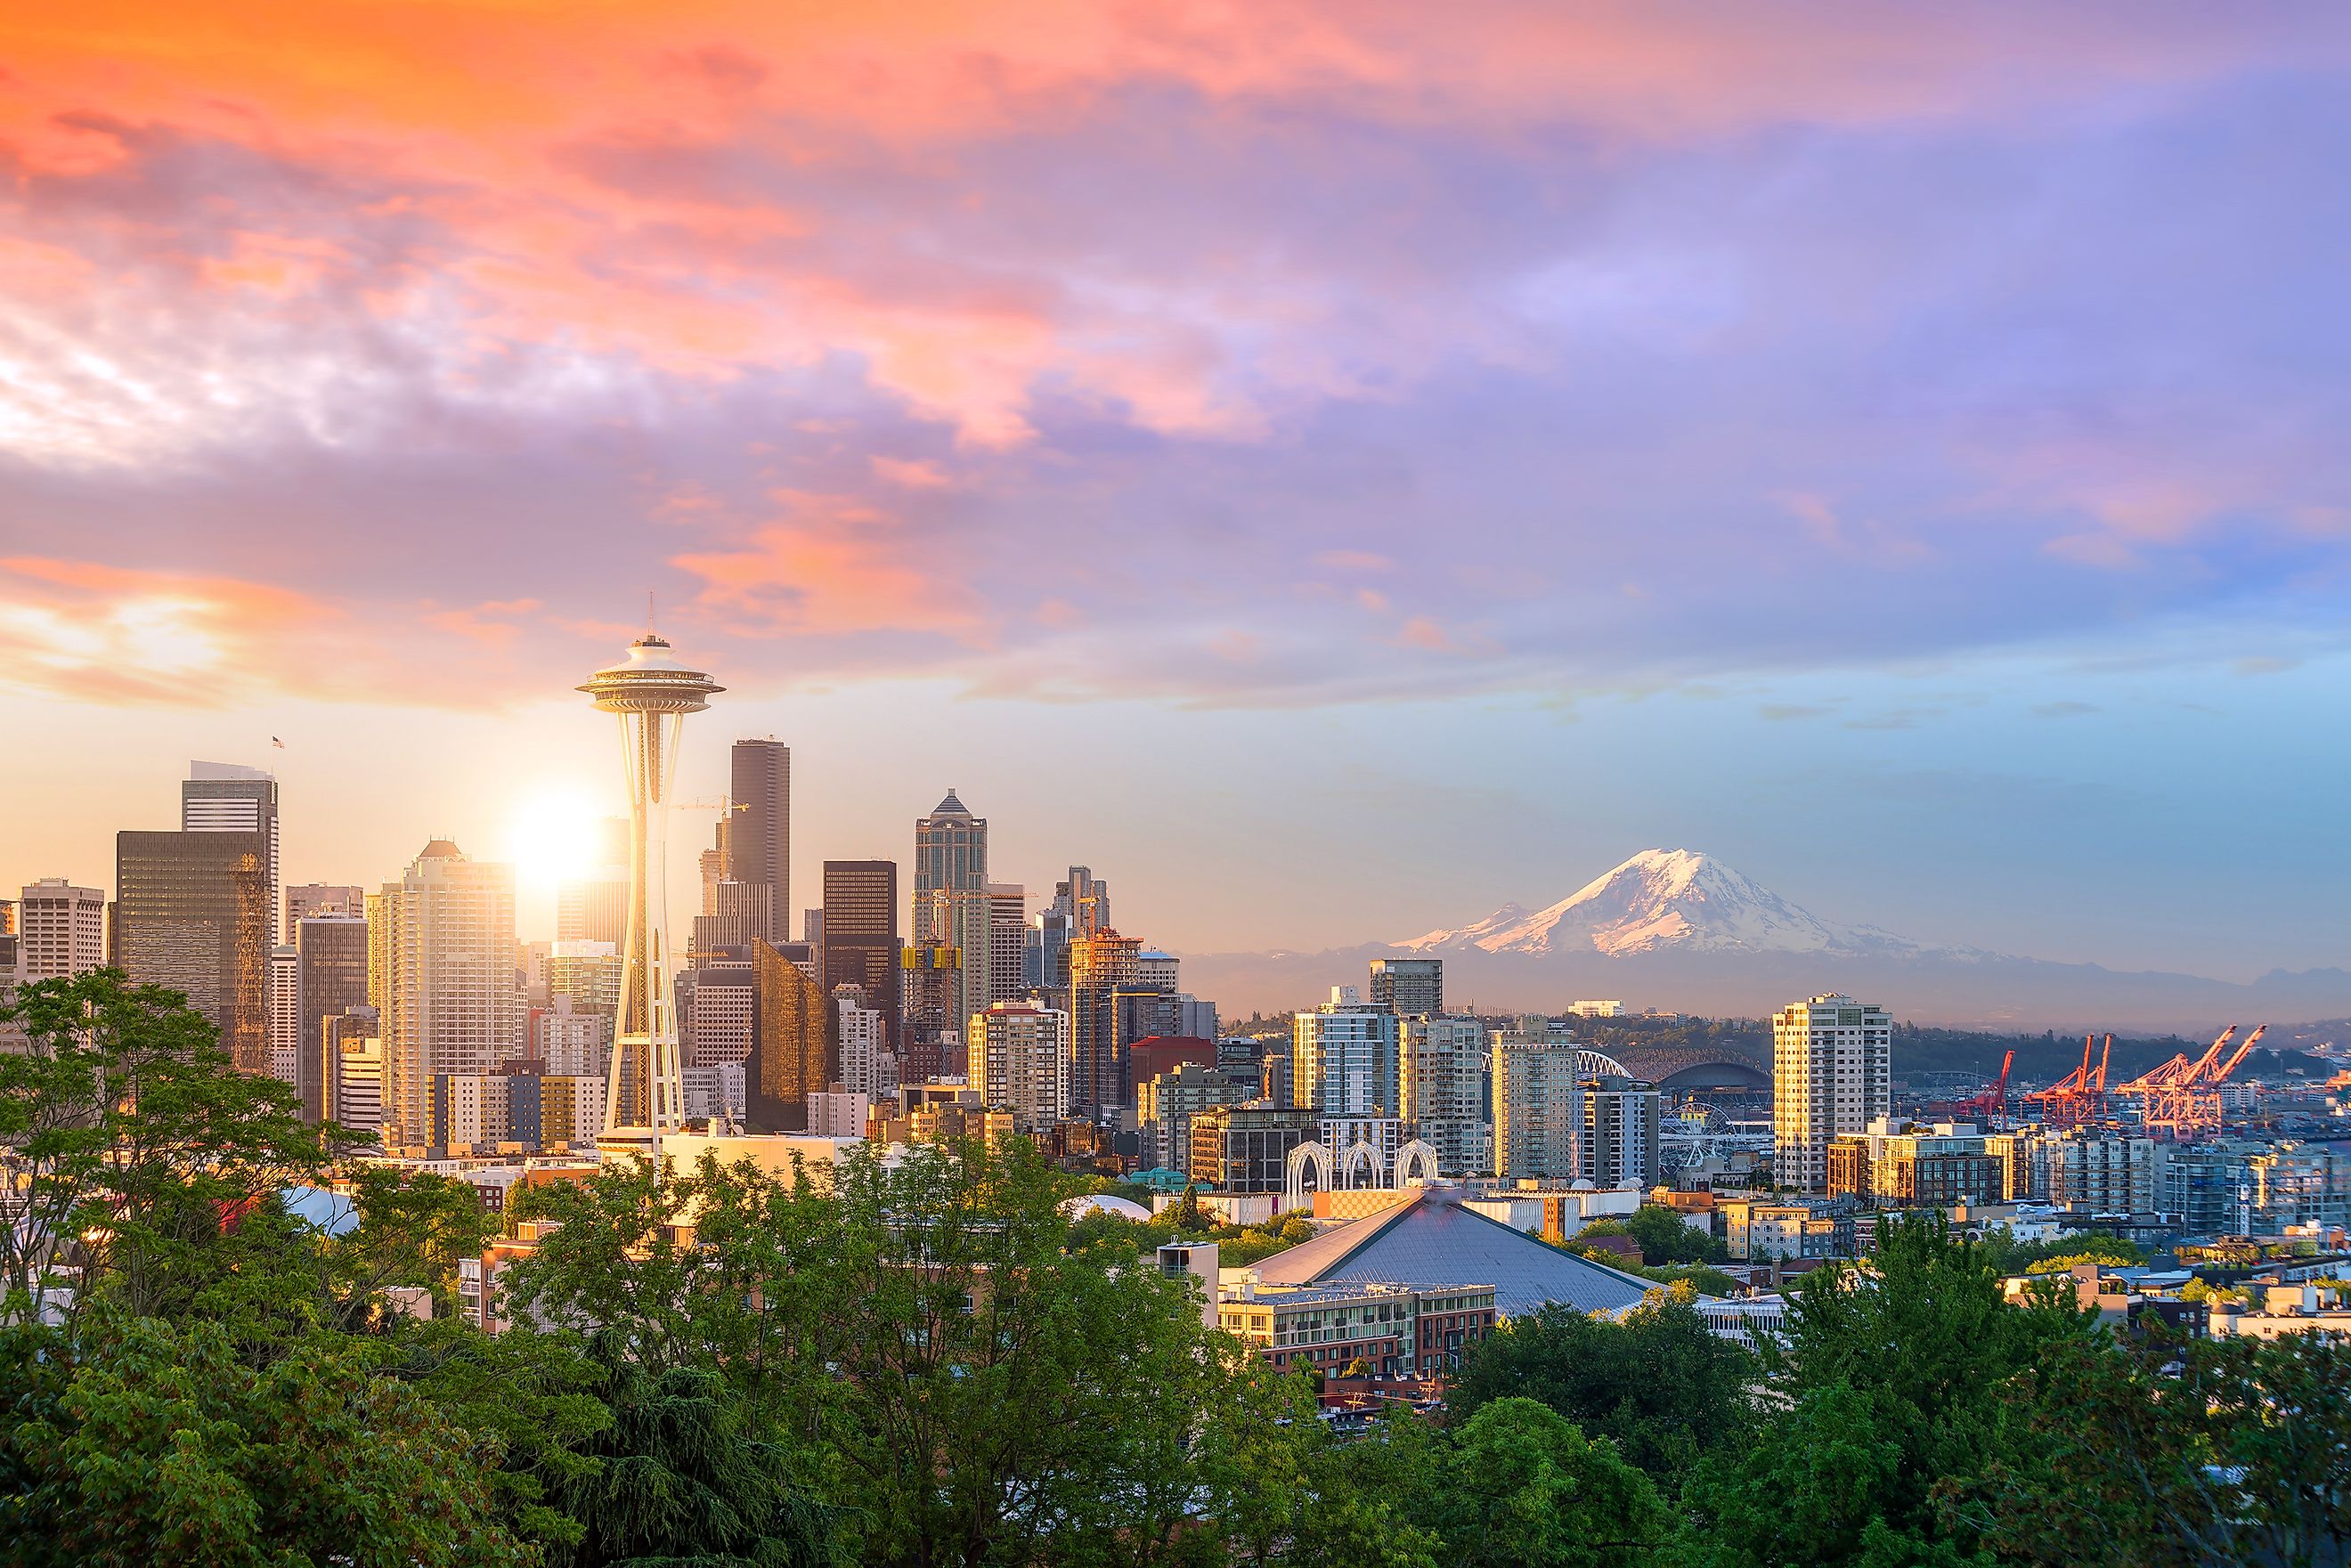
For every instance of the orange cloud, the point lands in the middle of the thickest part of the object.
(835, 568)
(111, 634)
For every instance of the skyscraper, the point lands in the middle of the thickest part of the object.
(1409, 986)
(192, 912)
(1008, 934)
(285, 1014)
(860, 936)
(60, 929)
(1441, 1066)
(1343, 1057)
(1085, 900)
(1832, 1072)
(651, 694)
(330, 963)
(758, 839)
(951, 901)
(1020, 1062)
(306, 899)
(446, 986)
(594, 906)
(1100, 967)
(795, 1051)
(229, 798)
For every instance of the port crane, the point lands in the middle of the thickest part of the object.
(2078, 1099)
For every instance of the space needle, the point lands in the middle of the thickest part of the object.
(645, 1090)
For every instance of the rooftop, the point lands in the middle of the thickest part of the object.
(1432, 1240)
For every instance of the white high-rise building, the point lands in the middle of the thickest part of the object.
(1832, 1073)
(1442, 1065)
(447, 950)
(867, 1067)
(60, 929)
(285, 1012)
(1019, 1057)
(1343, 1057)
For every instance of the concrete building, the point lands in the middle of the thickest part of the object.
(719, 1014)
(1102, 967)
(1441, 1070)
(285, 1014)
(1155, 969)
(2252, 1186)
(759, 836)
(1563, 1115)
(868, 1066)
(570, 1041)
(1759, 1230)
(861, 945)
(1409, 986)
(446, 991)
(2104, 1171)
(1247, 1148)
(1083, 901)
(1045, 952)
(1019, 1055)
(306, 899)
(838, 1114)
(60, 930)
(952, 904)
(1397, 1331)
(570, 1110)
(587, 972)
(1831, 1074)
(331, 978)
(194, 912)
(1166, 1100)
(1008, 935)
(1538, 1113)
(1345, 1057)
(355, 1040)
(1905, 1165)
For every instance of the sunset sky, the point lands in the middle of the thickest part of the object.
(1332, 467)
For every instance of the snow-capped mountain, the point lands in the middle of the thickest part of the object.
(1658, 901)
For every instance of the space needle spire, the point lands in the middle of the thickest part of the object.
(645, 1090)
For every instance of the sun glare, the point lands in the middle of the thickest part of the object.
(552, 837)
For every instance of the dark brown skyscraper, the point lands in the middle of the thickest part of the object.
(860, 935)
(758, 839)
(194, 912)
(795, 1049)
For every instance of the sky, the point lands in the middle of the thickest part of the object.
(1331, 468)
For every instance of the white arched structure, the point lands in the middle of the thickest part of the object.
(1420, 1154)
(1304, 1156)
(1362, 1167)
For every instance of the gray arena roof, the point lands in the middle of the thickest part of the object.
(1431, 1240)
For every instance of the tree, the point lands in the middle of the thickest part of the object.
(682, 1483)
(528, 1402)
(1667, 1238)
(1522, 1485)
(136, 1150)
(136, 1442)
(1898, 1374)
(1816, 1490)
(1659, 1385)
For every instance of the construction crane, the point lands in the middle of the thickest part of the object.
(2179, 1070)
(2079, 1098)
(1993, 1101)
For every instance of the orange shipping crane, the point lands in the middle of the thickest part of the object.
(1993, 1101)
(2189, 1102)
(2080, 1097)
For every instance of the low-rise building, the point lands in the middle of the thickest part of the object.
(1247, 1148)
(1397, 1329)
(1757, 1229)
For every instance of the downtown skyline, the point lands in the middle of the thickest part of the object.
(1331, 475)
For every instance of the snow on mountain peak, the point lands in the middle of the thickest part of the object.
(1659, 900)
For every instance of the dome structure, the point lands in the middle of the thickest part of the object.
(1084, 1204)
